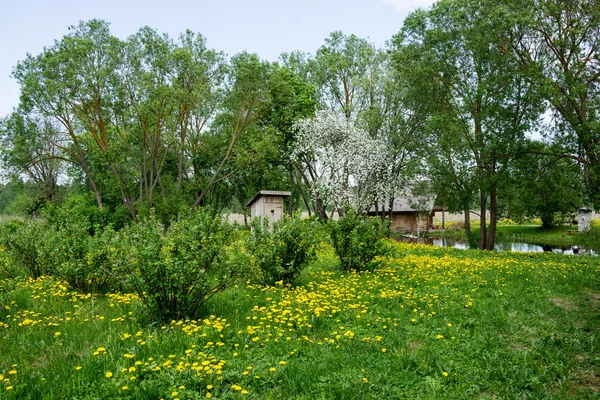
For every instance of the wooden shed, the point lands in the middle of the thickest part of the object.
(406, 218)
(268, 203)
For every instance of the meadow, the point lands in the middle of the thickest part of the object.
(428, 323)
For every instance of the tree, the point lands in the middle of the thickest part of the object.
(343, 166)
(457, 44)
(547, 187)
(557, 45)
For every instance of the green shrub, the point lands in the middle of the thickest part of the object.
(80, 259)
(282, 251)
(25, 245)
(174, 274)
(358, 240)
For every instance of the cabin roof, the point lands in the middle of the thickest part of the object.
(267, 193)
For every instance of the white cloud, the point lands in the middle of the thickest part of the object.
(408, 5)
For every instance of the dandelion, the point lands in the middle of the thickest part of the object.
(208, 395)
(108, 374)
(12, 372)
(445, 373)
(383, 350)
(272, 369)
(9, 388)
(125, 388)
(282, 363)
(57, 333)
(209, 387)
(77, 368)
(365, 380)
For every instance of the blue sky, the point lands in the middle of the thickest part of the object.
(265, 27)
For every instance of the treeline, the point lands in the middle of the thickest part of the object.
(153, 122)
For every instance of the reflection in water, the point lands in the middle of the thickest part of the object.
(511, 246)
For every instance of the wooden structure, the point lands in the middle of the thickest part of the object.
(585, 219)
(268, 203)
(406, 217)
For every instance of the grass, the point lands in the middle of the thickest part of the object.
(430, 323)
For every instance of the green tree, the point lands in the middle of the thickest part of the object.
(457, 44)
(557, 46)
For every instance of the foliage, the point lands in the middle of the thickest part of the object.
(26, 247)
(358, 240)
(175, 273)
(281, 251)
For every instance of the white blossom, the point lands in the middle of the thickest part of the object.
(345, 165)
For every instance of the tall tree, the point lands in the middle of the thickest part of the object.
(458, 44)
(558, 45)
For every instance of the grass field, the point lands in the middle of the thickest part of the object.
(430, 323)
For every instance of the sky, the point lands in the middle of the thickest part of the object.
(265, 27)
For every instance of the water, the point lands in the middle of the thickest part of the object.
(506, 246)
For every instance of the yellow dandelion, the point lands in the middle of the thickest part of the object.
(124, 388)
(282, 362)
(77, 368)
(209, 387)
(208, 395)
(12, 372)
(383, 350)
(57, 333)
(445, 373)
(108, 374)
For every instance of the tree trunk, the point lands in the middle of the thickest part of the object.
(467, 213)
(491, 239)
(482, 226)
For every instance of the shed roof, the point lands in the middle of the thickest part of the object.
(267, 193)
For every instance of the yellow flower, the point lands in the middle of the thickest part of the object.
(78, 367)
(12, 372)
(174, 394)
(208, 395)
(445, 373)
(209, 387)
(439, 336)
(282, 363)
(365, 380)
(108, 374)
(383, 350)
(9, 388)
(124, 388)
(244, 391)
(272, 370)
(56, 333)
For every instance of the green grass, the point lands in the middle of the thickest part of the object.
(454, 325)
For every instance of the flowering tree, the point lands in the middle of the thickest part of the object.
(341, 164)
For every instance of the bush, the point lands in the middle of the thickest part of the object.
(80, 259)
(25, 245)
(282, 251)
(358, 240)
(174, 274)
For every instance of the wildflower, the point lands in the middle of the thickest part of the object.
(77, 368)
(208, 395)
(272, 369)
(209, 387)
(124, 388)
(445, 373)
(12, 372)
(9, 388)
(108, 374)
(57, 333)
(383, 350)
(282, 363)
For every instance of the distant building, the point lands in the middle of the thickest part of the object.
(268, 203)
(413, 211)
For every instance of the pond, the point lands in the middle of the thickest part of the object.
(505, 246)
